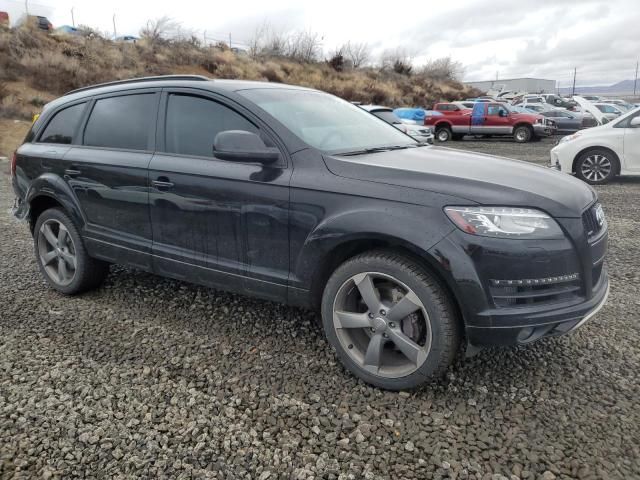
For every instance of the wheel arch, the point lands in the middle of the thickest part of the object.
(352, 247)
(48, 191)
(523, 124)
(614, 155)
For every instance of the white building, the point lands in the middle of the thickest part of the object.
(530, 85)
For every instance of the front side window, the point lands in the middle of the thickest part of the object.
(193, 122)
(63, 125)
(121, 122)
(326, 122)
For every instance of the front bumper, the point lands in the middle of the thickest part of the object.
(543, 130)
(516, 292)
(521, 329)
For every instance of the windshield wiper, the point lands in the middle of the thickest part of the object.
(387, 148)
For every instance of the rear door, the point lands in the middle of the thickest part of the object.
(108, 174)
(218, 222)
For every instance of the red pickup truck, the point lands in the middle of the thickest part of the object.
(490, 119)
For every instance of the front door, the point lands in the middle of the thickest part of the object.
(217, 222)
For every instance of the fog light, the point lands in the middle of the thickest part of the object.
(525, 334)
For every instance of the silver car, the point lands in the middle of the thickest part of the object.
(421, 133)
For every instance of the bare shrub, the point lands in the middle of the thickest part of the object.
(397, 60)
(337, 59)
(358, 53)
(444, 68)
(160, 30)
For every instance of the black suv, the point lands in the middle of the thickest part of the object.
(294, 195)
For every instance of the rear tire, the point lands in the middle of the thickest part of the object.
(597, 166)
(522, 134)
(443, 134)
(364, 316)
(62, 257)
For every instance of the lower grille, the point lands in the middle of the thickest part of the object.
(534, 291)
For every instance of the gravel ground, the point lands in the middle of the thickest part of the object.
(155, 378)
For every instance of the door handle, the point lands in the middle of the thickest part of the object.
(162, 183)
(72, 172)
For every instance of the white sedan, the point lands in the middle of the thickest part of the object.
(598, 154)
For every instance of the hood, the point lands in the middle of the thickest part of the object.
(472, 177)
(587, 106)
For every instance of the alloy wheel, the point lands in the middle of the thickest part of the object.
(382, 324)
(596, 167)
(57, 252)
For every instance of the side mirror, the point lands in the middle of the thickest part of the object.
(243, 146)
(502, 113)
(635, 122)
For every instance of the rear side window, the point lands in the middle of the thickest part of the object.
(121, 122)
(63, 125)
(193, 123)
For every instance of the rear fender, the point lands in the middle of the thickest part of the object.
(52, 186)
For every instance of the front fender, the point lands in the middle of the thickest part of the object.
(413, 227)
(54, 187)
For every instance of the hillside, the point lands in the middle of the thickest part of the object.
(36, 67)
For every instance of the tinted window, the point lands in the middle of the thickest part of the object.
(63, 125)
(387, 116)
(121, 122)
(193, 123)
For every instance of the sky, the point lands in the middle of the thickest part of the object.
(503, 38)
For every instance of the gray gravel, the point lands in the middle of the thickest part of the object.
(155, 378)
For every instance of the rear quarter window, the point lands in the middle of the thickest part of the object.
(63, 125)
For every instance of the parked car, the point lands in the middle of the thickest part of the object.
(621, 104)
(42, 23)
(4, 19)
(568, 121)
(556, 101)
(491, 119)
(598, 154)
(297, 196)
(418, 132)
(68, 30)
(127, 39)
(609, 110)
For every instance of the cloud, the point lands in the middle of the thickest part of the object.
(542, 38)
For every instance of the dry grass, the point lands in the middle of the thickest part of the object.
(52, 65)
(13, 132)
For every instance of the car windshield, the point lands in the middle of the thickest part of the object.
(326, 122)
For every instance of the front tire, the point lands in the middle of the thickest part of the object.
(61, 256)
(390, 322)
(522, 134)
(597, 166)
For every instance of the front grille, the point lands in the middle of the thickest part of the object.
(534, 291)
(590, 221)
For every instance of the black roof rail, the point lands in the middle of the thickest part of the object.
(199, 78)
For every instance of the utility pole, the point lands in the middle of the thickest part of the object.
(229, 41)
(26, 7)
(573, 90)
(115, 34)
(635, 80)
(73, 20)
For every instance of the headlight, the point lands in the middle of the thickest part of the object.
(504, 222)
(568, 138)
